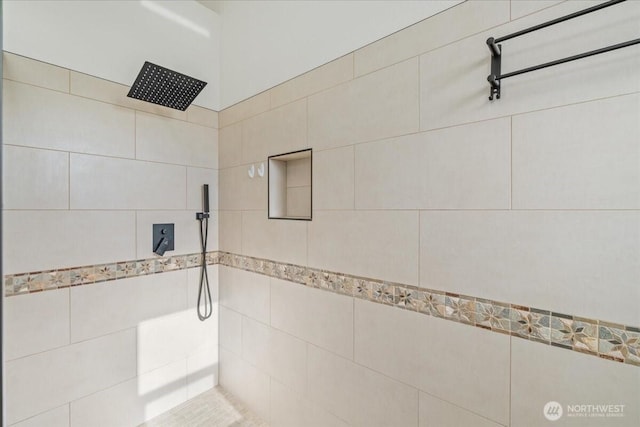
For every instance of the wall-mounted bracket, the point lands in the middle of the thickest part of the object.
(496, 75)
(496, 63)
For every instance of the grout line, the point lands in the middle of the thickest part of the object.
(511, 163)
(510, 378)
(69, 181)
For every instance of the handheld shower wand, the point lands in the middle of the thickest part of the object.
(204, 292)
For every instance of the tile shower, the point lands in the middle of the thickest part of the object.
(467, 262)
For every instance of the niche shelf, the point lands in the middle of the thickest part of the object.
(289, 176)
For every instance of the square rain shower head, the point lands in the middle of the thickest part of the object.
(166, 87)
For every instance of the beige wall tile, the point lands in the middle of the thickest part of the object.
(115, 93)
(245, 109)
(277, 131)
(276, 353)
(333, 179)
(36, 117)
(583, 263)
(445, 27)
(466, 353)
(47, 380)
(299, 201)
(36, 323)
(543, 373)
(202, 116)
(246, 293)
(375, 106)
(438, 413)
(290, 409)
(246, 382)
(202, 371)
(35, 179)
(230, 146)
(186, 333)
(186, 232)
(587, 160)
(240, 192)
(108, 183)
(58, 417)
(66, 239)
(135, 401)
(125, 303)
(193, 285)
(348, 390)
(465, 167)
(173, 141)
(27, 70)
(196, 177)
(230, 229)
(323, 77)
(319, 317)
(366, 243)
(453, 80)
(398, 353)
(520, 8)
(231, 330)
(279, 240)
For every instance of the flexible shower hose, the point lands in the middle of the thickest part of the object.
(204, 312)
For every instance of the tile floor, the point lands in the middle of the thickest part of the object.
(215, 408)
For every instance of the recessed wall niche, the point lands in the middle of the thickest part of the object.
(290, 185)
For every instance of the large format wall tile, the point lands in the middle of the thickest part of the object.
(99, 89)
(230, 146)
(66, 238)
(245, 109)
(366, 243)
(438, 413)
(240, 192)
(541, 374)
(230, 229)
(465, 167)
(246, 382)
(36, 323)
(453, 79)
(26, 70)
(231, 330)
(353, 392)
(47, 380)
(277, 131)
(174, 141)
(36, 117)
(466, 366)
(282, 356)
(107, 183)
(587, 160)
(374, 106)
(58, 417)
(435, 31)
(520, 8)
(291, 409)
(246, 293)
(202, 116)
(125, 303)
(321, 318)
(280, 240)
(333, 179)
(324, 77)
(35, 179)
(583, 262)
(133, 402)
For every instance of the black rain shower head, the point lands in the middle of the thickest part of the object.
(165, 87)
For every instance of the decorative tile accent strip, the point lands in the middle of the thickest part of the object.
(28, 283)
(606, 340)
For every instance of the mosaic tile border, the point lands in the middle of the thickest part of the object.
(599, 338)
(38, 281)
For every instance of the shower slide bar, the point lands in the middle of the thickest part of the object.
(496, 49)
